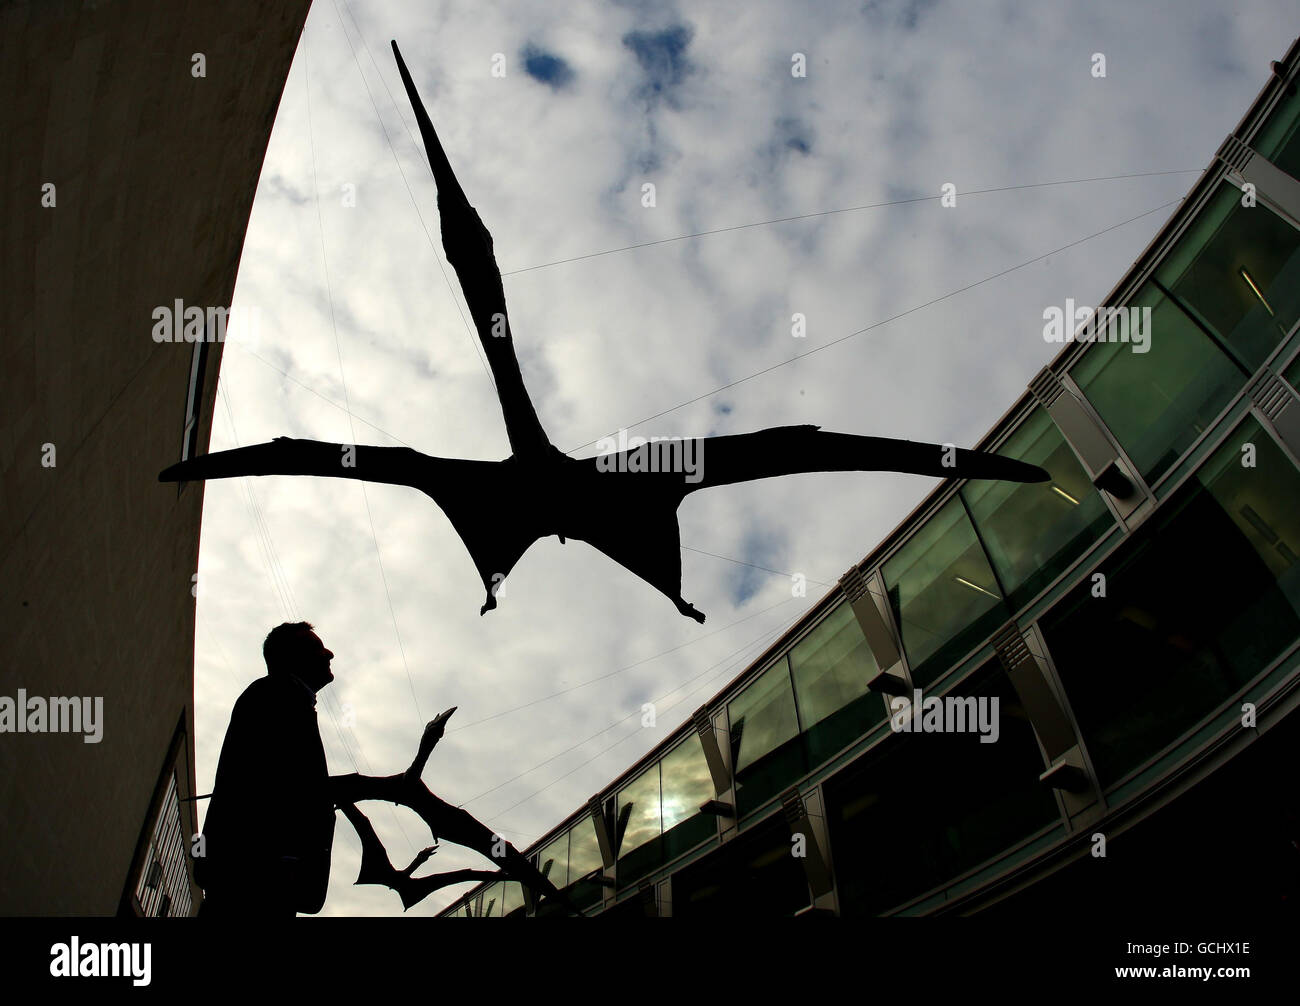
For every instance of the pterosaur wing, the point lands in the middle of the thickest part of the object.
(790, 450)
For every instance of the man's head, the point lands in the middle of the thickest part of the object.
(293, 649)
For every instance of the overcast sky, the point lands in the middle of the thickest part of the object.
(596, 101)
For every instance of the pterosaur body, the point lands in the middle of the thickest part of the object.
(625, 505)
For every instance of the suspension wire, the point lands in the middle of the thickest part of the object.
(765, 569)
(259, 520)
(741, 659)
(846, 209)
(610, 674)
(419, 156)
(885, 321)
(346, 399)
(624, 719)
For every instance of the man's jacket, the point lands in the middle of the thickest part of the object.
(270, 825)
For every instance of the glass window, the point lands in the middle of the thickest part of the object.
(943, 593)
(659, 811)
(163, 887)
(512, 899)
(765, 752)
(1159, 402)
(553, 861)
(1237, 269)
(640, 824)
(922, 809)
(831, 667)
(584, 849)
(639, 818)
(584, 859)
(1292, 374)
(1204, 597)
(1279, 140)
(492, 898)
(1033, 531)
(687, 784)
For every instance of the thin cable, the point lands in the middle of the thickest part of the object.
(628, 737)
(221, 650)
(279, 577)
(886, 321)
(574, 747)
(604, 751)
(610, 674)
(437, 258)
(343, 379)
(280, 597)
(765, 569)
(323, 398)
(289, 607)
(846, 209)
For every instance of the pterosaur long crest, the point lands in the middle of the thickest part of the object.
(469, 250)
(623, 503)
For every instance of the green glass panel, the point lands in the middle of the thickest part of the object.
(513, 898)
(584, 859)
(764, 737)
(1237, 269)
(686, 782)
(831, 667)
(1202, 598)
(1159, 402)
(1034, 531)
(1279, 140)
(584, 849)
(943, 593)
(762, 717)
(492, 898)
(1292, 373)
(639, 818)
(553, 861)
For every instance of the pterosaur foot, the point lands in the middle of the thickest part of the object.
(689, 610)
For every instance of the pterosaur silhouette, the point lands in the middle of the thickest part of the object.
(626, 504)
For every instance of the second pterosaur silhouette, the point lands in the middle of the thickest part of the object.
(625, 505)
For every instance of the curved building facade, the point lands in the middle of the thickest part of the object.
(133, 137)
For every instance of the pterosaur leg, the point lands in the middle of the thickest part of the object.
(646, 541)
(469, 249)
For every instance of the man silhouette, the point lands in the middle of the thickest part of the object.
(270, 826)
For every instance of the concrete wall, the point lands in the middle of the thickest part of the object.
(155, 172)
